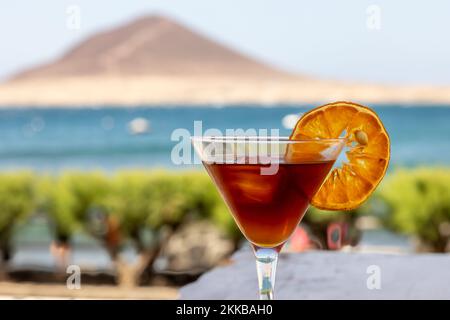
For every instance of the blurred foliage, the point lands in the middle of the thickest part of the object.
(319, 221)
(316, 216)
(137, 200)
(68, 199)
(147, 199)
(16, 197)
(155, 199)
(417, 202)
(137, 204)
(207, 201)
(17, 200)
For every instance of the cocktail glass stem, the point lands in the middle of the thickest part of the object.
(266, 265)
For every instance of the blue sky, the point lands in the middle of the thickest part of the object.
(323, 38)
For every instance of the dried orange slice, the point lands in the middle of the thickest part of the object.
(368, 152)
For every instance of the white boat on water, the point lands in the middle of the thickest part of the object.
(139, 126)
(290, 120)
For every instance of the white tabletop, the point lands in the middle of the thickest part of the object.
(331, 275)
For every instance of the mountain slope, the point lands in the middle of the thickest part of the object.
(150, 46)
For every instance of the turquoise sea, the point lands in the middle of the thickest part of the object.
(87, 138)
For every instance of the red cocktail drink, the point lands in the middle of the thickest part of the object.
(268, 208)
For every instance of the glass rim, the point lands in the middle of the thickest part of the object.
(258, 139)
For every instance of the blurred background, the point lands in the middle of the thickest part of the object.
(90, 94)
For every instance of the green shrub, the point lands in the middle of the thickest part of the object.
(140, 206)
(148, 207)
(208, 203)
(69, 198)
(149, 199)
(16, 203)
(156, 199)
(16, 197)
(418, 204)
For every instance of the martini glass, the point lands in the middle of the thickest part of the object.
(267, 184)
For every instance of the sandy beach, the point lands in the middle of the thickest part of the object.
(102, 90)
